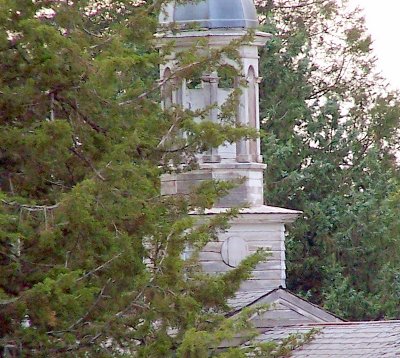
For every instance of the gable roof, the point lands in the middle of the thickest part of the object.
(285, 308)
(342, 339)
(291, 315)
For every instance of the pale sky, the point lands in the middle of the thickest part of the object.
(383, 22)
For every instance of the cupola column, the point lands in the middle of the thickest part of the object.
(210, 88)
(242, 146)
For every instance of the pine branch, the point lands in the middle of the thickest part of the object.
(162, 82)
(82, 157)
(91, 33)
(9, 301)
(31, 208)
(92, 272)
(98, 298)
(84, 117)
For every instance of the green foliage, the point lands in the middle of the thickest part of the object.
(90, 254)
(330, 143)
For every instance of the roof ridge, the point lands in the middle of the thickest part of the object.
(329, 324)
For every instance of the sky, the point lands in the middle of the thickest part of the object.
(383, 22)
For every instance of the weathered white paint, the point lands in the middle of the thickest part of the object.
(234, 250)
(230, 161)
(254, 229)
(258, 226)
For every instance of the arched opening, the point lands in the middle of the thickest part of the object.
(194, 83)
(167, 88)
(227, 76)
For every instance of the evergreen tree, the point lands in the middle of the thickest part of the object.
(330, 143)
(90, 254)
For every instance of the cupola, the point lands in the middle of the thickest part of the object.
(208, 26)
(211, 14)
(217, 23)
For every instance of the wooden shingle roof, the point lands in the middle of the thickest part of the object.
(290, 315)
(342, 339)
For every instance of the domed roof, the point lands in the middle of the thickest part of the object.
(211, 14)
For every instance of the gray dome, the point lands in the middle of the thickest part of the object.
(211, 14)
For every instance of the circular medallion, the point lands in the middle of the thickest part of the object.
(234, 250)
